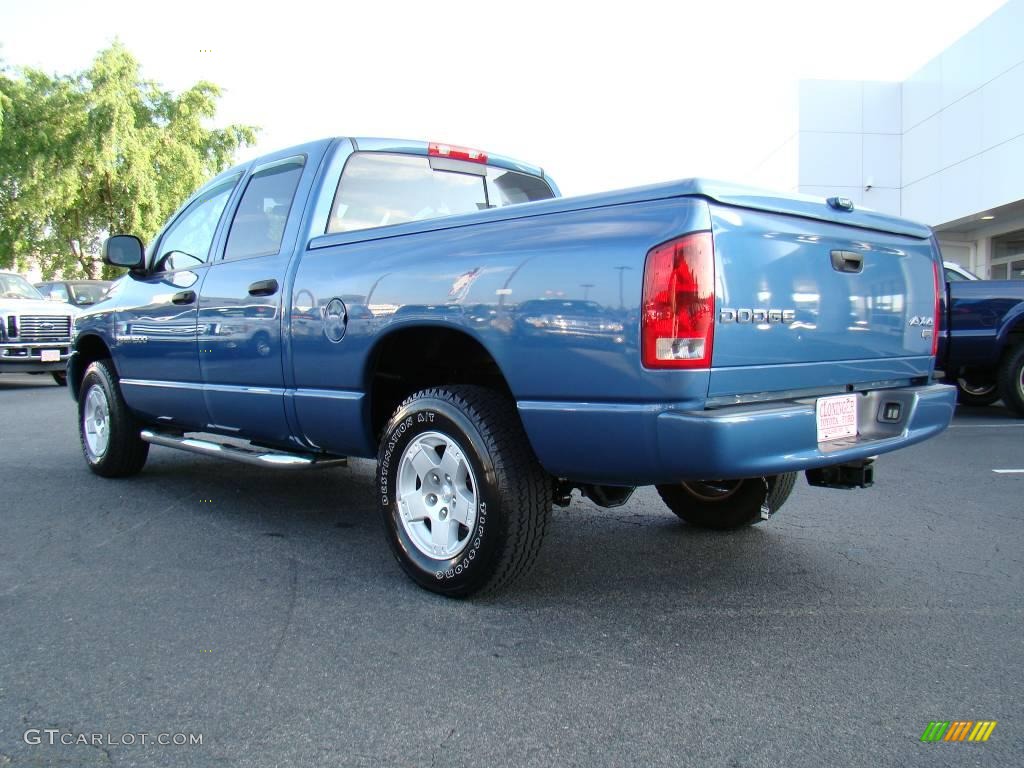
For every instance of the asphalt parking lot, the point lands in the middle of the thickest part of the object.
(264, 611)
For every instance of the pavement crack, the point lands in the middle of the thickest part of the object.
(293, 591)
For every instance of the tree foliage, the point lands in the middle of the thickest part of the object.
(99, 152)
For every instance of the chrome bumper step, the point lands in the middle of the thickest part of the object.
(261, 457)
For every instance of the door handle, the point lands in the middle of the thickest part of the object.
(184, 297)
(263, 288)
(847, 261)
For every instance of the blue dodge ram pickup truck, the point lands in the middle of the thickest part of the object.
(496, 347)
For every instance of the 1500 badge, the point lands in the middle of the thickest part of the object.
(130, 338)
(745, 315)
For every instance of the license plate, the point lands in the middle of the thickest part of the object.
(836, 417)
(50, 355)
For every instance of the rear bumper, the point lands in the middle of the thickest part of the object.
(748, 442)
(644, 445)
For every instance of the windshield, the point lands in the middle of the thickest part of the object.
(17, 287)
(87, 293)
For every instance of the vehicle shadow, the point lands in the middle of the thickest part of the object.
(638, 553)
(996, 412)
(19, 381)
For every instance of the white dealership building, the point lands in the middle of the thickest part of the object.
(945, 147)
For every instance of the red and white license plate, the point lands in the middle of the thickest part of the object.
(49, 355)
(836, 417)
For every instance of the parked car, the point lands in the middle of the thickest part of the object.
(981, 346)
(724, 346)
(954, 272)
(35, 334)
(80, 293)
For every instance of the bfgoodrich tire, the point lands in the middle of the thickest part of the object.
(108, 432)
(726, 504)
(464, 502)
(1011, 380)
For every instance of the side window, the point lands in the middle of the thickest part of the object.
(186, 244)
(510, 187)
(952, 276)
(258, 226)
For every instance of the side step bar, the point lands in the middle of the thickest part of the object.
(259, 457)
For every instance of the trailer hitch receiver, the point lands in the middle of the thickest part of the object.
(854, 474)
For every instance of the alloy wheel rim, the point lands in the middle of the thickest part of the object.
(978, 389)
(96, 422)
(713, 490)
(437, 496)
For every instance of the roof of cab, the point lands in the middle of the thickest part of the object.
(370, 144)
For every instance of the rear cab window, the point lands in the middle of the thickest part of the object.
(381, 188)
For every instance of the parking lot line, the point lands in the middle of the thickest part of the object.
(969, 426)
(1009, 471)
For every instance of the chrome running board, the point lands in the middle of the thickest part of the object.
(261, 457)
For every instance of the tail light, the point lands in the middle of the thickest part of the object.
(678, 323)
(939, 291)
(436, 149)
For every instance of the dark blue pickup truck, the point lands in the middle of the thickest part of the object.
(496, 347)
(981, 344)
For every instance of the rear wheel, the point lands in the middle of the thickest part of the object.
(970, 393)
(1011, 380)
(725, 504)
(108, 431)
(464, 501)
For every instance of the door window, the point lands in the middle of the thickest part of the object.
(258, 226)
(187, 242)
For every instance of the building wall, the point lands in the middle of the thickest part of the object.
(963, 124)
(945, 147)
(849, 142)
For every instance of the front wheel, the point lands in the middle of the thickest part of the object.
(60, 378)
(722, 505)
(1011, 380)
(464, 501)
(108, 431)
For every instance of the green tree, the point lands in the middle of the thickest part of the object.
(99, 152)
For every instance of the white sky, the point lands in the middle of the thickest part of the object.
(602, 95)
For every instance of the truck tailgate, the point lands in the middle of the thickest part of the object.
(805, 303)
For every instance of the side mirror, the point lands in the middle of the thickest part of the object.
(124, 251)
